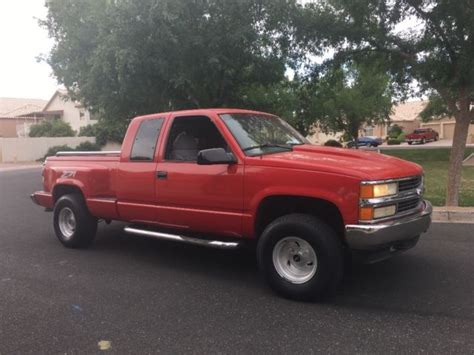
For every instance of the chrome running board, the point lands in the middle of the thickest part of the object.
(184, 239)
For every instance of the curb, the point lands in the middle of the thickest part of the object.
(14, 167)
(453, 215)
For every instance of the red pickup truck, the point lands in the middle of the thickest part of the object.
(223, 178)
(422, 135)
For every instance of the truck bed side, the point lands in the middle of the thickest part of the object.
(93, 176)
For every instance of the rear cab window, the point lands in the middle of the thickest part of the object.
(146, 139)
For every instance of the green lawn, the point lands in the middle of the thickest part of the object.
(435, 164)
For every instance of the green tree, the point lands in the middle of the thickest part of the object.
(52, 128)
(345, 97)
(429, 41)
(124, 58)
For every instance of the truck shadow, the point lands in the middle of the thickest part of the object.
(413, 282)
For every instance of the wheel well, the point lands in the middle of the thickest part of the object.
(276, 206)
(61, 190)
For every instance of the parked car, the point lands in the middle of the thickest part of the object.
(422, 135)
(225, 178)
(366, 141)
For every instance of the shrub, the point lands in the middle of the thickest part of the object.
(87, 131)
(84, 146)
(394, 131)
(393, 142)
(88, 147)
(52, 128)
(333, 143)
(57, 148)
(401, 137)
(105, 131)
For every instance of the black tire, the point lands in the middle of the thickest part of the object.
(83, 234)
(423, 141)
(326, 245)
(409, 143)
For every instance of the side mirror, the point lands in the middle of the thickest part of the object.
(215, 156)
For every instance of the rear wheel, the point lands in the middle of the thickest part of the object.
(74, 226)
(423, 141)
(409, 143)
(300, 257)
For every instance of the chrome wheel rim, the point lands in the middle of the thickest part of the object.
(295, 260)
(67, 222)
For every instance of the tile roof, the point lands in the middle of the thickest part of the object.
(10, 106)
(407, 111)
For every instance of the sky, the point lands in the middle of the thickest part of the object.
(22, 40)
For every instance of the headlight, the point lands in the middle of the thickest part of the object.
(378, 190)
(369, 213)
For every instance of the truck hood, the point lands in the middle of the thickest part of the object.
(360, 164)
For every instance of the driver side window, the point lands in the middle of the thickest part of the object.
(191, 134)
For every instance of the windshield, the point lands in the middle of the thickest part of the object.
(261, 134)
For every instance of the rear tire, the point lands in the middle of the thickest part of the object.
(74, 226)
(409, 143)
(301, 257)
(423, 141)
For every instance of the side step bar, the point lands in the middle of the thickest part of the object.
(184, 239)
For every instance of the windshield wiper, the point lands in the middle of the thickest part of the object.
(269, 145)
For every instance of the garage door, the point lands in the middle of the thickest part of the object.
(448, 130)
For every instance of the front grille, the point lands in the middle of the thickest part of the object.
(407, 205)
(409, 184)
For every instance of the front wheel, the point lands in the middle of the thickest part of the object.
(74, 226)
(301, 257)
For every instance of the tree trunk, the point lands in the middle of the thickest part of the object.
(456, 157)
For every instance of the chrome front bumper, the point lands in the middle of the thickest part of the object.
(384, 235)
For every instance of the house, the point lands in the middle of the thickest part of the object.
(405, 115)
(17, 115)
(10, 108)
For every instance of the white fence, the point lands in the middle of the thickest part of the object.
(14, 150)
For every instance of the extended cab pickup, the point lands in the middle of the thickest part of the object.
(422, 135)
(224, 177)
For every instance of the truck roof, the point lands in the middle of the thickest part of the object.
(203, 111)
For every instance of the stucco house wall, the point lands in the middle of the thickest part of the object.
(69, 111)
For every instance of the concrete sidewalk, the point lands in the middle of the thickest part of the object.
(20, 166)
(453, 214)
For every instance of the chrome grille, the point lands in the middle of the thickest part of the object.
(409, 184)
(407, 205)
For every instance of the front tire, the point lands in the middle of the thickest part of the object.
(74, 226)
(301, 257)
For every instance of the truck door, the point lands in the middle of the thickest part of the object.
(136, 172)
(201, 198)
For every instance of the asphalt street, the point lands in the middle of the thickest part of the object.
(135, 295)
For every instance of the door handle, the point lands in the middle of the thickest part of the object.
(161, 174)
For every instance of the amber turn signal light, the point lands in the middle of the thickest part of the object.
(366, 213)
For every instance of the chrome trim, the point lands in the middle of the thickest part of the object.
(86, 153)
(181, 238)
(406, 195)
(393, 217)
(382, 201)
(33, 198)
(375, 182)
(373, 236)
